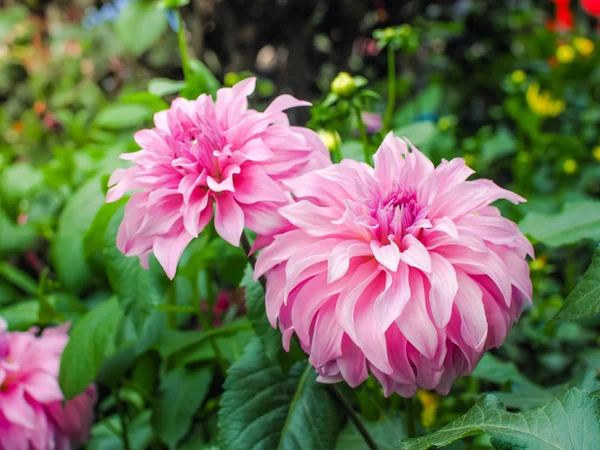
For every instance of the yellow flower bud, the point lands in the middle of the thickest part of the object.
(231, 78)
(538, 264)
(343, 85)
(570, 166)
(331, 139)
(565, 54)
(596, 153)
(584, 46)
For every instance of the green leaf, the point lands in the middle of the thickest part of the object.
(139, 290)
(150, 101)
(270, 338)
(501, 144)
(92, 340)
(419, 134)
(571, 421)
(182, 391)
(140, 25)
(164, 86)
(18, 181)
(262, 408)
(202, 81)
(22, 315)
(577, 221)
(93, 240)
(386, 433)
(524, 393)
(15, 238)
(584, 300)
(120, 116)
(67, 251)
(140, 434)
(353, 150)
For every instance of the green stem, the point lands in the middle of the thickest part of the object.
(363, 134)
(207, 326)
(337, 155)
(124, 426)
(331, 388)
(171, 306)
(353, 417)
(389, 112)
(411, 428)
(183, 50)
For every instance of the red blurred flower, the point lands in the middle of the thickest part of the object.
(564, 17)
(591, 6)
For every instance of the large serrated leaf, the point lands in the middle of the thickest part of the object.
(262, 409)
(182, 391)
(577, 221)
(92, 340)
(584, 300)
(570, 421)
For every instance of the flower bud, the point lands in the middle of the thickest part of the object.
(570, 166)
(331, 139)
(343, 85)
(518, 77)
(596, 153)
(584, 46)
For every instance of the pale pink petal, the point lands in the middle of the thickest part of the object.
(229, 219)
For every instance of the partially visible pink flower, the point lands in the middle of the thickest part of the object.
(404, 270)
(372, 121)
(206, 153)
(32, 416)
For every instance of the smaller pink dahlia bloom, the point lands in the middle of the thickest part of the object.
(32, 416)
(204, 154)
(404, 270)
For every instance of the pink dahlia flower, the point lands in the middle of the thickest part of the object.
(32, 416)
(204, 153)
(403, 270)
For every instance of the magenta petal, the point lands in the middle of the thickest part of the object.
(229, 219)
(169, 248)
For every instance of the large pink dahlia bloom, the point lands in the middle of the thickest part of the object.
(203, 154)
(403, 270)
(32, 415)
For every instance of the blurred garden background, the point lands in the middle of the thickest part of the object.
(511, 86)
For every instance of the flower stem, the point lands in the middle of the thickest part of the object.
(207, 327)
(363, 133)
(353, 417)
(411, 428)
(331, 388)
(183, 50)
(171, 313)
(389, 112)
(123, 418)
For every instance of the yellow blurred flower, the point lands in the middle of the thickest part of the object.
(343, 85)
(565, 54)
(430, 402)
(596, 153)
(542, 103)
(570, 166)
(331, 139)
(518, 76)
(584, 46)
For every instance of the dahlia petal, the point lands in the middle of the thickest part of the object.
(284, 102)
(355, 285)
(444, 287)
(352, 364)
(387, 255)
(415, 322)
(338, 261)
(315, 220)
(229, 219)
(262, 218)
(169, 248)
(391, 302)
(43, 387)
(389, 159)
(253, 186)
(330, 347)
(15, 408)
(469, 303)
(256, 150)
(415, 254)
